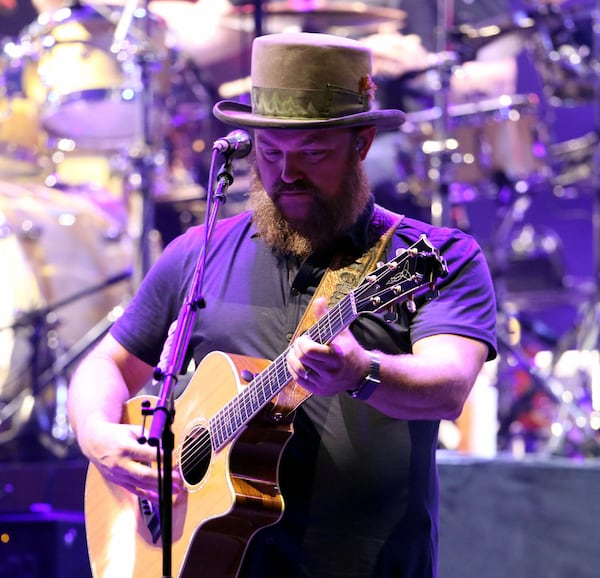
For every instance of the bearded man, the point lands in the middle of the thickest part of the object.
(354, 491)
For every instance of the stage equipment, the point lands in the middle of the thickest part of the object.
(489, 143)
(563, 51)
(87, 91)
(21, 137)
(66, 265)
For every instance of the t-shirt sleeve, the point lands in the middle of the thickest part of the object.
(143, 327)
(466, 303)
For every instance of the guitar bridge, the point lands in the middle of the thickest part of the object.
(151, 517)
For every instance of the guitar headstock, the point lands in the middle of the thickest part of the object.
(414, 270)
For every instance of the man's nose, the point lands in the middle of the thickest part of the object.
(291, 169)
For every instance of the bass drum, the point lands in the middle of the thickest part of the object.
(65, 265)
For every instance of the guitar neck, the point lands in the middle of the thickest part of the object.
(230, 420)
(414, 269)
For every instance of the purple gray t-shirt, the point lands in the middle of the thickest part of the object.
(360, 488)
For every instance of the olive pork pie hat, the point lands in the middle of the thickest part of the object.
(309, 80)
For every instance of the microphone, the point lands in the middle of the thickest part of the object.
(236, 144)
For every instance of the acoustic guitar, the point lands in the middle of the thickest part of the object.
(229, 438)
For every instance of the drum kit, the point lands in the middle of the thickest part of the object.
(505, 149)
(105, 122)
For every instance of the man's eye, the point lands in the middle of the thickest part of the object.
(271, 154)
(314, 154)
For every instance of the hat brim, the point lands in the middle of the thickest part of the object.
(238, 114)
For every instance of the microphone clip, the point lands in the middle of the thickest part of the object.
(237, 144)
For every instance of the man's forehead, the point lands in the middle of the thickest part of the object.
(299, 136)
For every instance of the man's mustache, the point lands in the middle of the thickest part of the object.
(299, 186)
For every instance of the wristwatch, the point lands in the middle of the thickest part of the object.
(369, 384)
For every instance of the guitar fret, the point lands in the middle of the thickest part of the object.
(247, 405)
(335, 323)
(254, 390)
(215, 428)
(237, 419)
(283, 376)
(227, 422)
(258, 385)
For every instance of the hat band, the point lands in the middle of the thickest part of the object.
(332, 102)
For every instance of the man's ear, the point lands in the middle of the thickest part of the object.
(364, 139)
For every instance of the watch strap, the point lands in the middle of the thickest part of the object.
(369, 384)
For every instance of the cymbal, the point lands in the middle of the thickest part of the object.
(197, 30)
(316, 16)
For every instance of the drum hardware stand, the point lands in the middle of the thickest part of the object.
(60, 430)
(508, 212)
(440, 159)
(146, 160)
(509, 341)
(258, 18)
(441, 153)
(42, 322)
(546, 383)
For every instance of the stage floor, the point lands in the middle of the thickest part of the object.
(529, 518)
(500, 518)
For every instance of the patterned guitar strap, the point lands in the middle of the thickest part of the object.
(341, 277)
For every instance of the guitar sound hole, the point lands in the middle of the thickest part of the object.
(196, 454)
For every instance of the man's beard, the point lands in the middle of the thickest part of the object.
(330, 219)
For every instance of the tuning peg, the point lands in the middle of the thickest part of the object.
(432, 293)
(391, 315)
(411, 305)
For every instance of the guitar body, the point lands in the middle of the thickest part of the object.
(233, 495)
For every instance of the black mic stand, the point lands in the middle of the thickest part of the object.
(163, 414)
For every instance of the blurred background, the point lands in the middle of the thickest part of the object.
(106, 135)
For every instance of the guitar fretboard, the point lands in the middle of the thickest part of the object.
(228, 422)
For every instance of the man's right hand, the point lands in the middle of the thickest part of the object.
(118, 455)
